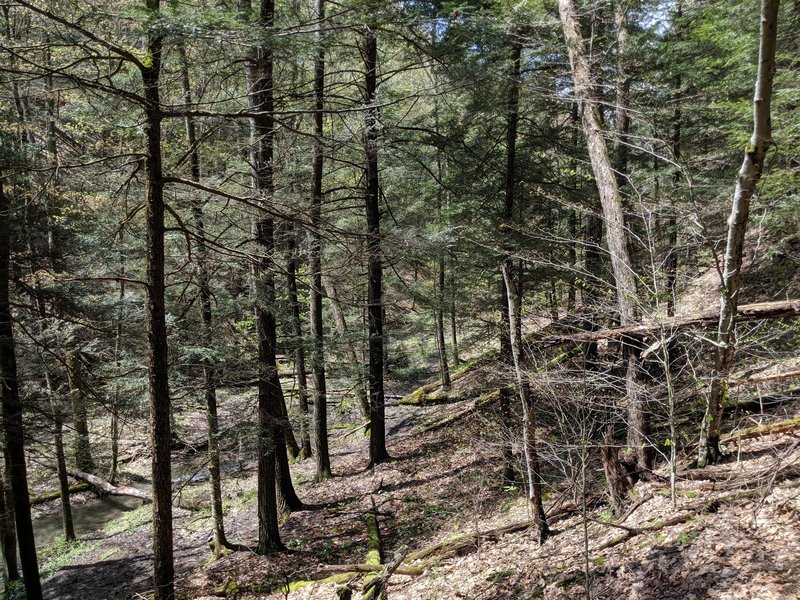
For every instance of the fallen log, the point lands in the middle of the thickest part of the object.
(756, 379)
(786, 426)
(54, 495)
(452, 546)
(783, 309)
(369, 568)
(104, 487)
(630, 532)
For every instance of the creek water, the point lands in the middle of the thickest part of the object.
(88, 517)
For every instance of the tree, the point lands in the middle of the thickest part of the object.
(377, 414)
(13, 431)
(161, 437)
(532, 468)
(219, 541)
(616, 237)
(731, 269)
(262, 131)
(319, 394)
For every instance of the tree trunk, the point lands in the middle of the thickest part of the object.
(115, 401)
(532, 469)
(320, 394)
(12, 414)
(299, 350)
(749, 174)
(671, 260)
(453, 321)
(377, 413)
(164, 568)
(218, 541)
(444, 369)
(613, 215)
(352, 353)
(439, 284)
(82, 446)
(8, 533)
(63, 481)
(506, 352)
(262, 132)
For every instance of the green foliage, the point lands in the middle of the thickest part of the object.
(129, 521)
(61, 553)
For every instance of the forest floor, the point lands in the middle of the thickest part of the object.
(733, 533)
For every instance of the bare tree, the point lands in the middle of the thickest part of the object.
(731, 273)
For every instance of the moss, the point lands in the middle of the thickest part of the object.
(776, 427)
(415, 397)
(337, 578)
(129, 520)
(373, 540)
(488, 397)
(47, 497)
(232, 589)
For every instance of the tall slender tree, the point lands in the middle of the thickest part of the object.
(160, 432)
(613, 214)
(262, 134)
(377, 422)
(731, 273)
(13, 432)
(219, 541)
(319, 391)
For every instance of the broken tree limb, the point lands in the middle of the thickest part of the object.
(376, 587)
(104, 487)
(784, 309)
(630, 532)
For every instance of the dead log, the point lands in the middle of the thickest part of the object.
(104, 487)
(786, 426)
(756, 379)
(376, 587)
(55, 495)
(369, 568)
(630, 532)
(784, 309)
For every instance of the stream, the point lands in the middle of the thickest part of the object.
(88, 517)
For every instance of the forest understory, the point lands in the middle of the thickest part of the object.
(734, 531)
(419, 299)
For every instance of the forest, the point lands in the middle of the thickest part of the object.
(487, 299)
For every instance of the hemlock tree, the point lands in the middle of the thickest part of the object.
(161, 438)
(319, 391)
(377, 421)
(13, 432)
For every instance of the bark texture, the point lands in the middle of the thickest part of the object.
(319, 389)
(377, 409)
(731, 274)
(160, 436)
(532, 469)
(613, 215)
(12, 414)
